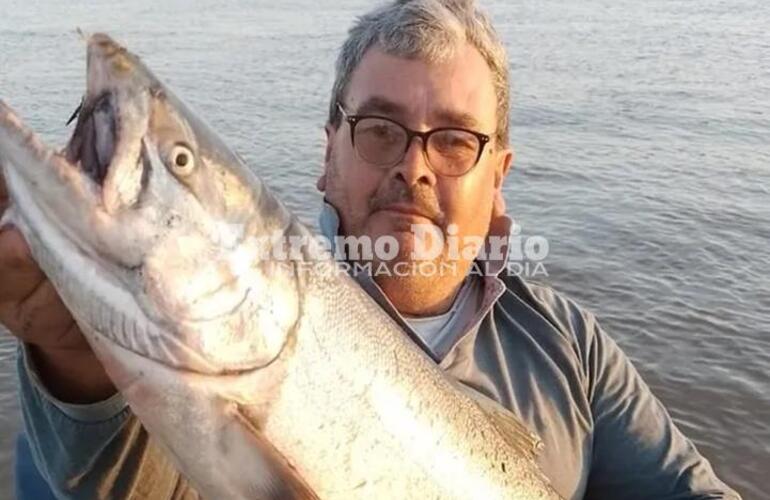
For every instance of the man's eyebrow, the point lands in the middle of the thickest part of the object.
(455, 118)
(377, 104)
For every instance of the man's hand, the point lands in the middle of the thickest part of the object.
(32, 311)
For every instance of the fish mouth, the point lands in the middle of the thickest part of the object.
(92, 145)
(112, 123)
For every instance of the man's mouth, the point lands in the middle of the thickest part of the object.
(414, 205)
(409, 210)
(92, 145)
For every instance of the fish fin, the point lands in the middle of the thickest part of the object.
(281, 481)
(511, 428)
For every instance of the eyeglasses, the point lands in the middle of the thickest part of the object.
(384, 142)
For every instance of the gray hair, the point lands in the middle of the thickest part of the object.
(430, 30)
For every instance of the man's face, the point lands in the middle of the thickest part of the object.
(376, 201)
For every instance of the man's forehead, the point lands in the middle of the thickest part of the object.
(456, 92)
(382, 105)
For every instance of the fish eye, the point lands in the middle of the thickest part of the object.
(182, 161)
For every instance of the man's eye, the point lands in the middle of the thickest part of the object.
(381, 132)
(463, 143)
(454, 142)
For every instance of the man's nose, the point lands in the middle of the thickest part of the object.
(414, 169)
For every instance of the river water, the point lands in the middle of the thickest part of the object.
(641, 131)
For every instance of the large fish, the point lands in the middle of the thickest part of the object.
(261, 378)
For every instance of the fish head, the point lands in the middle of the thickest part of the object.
(130, 122)
(166, 222)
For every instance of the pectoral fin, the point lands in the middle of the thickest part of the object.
(275, 478)
(510, 427)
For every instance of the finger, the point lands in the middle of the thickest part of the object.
(13, 247)
(21, 275)
(43, 319)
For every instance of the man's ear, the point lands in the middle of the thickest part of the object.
(501, 172)
(329, 131)
(505, 161)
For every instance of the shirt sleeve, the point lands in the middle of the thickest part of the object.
(638, 452)
(92, 451)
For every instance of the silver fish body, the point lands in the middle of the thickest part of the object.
(261, 378)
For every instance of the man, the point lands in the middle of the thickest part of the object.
(417, 134)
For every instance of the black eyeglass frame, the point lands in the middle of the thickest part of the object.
(353, 120)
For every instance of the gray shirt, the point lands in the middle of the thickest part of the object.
(534, 351)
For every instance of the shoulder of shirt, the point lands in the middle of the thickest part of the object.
(574, 323)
